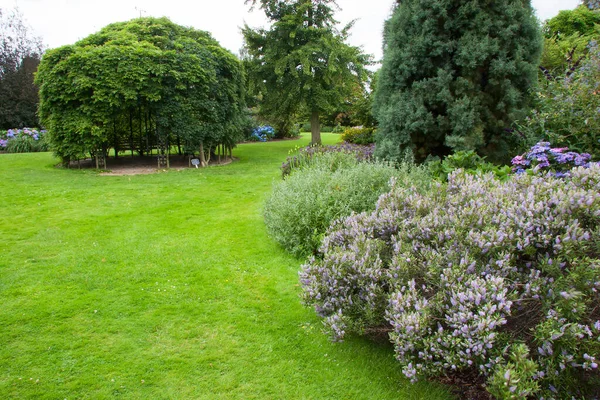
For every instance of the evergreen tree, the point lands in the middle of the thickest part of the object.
(455, 74)
(302, 60)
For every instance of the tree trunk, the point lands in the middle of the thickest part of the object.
(315, 128)
(203, 162)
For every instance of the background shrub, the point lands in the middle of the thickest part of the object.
(497, 278)
(357, 135)
(333, 185)
(566, 112)
(338, 129)
(262, 133)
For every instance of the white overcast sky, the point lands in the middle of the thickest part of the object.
(62, 22)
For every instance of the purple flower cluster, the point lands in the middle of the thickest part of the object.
(306, 154)
(460, 273)
(11, 134)
(557, 160)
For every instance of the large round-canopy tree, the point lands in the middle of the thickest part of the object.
(138, 85)
(455, 74)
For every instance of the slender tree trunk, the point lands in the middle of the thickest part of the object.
(315, 128)
(202, 158)
(116, 139)
(131, 132)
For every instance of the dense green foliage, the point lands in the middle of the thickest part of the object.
(137, 84)
(20, 54)
(331, 186)
(477, 276)
(454, 76)
(468, 161)
(302, 62)
(567, 37)
(165, 286)
(566, 110)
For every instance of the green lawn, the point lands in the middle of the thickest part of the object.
(165, 286)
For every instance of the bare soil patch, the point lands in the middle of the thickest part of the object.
(137, 165)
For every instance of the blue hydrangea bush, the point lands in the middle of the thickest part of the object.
(262, 133)
(497, 277)
(24, 140)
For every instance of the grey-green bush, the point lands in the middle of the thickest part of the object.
(301, 208)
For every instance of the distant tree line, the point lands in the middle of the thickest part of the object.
(20, 54)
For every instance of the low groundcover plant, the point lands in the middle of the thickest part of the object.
(497, 277)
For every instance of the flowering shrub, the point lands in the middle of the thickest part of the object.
(307, 154)
(262, 133)
(557, 161)
(359, 135)
(499, 277)
(23, 140)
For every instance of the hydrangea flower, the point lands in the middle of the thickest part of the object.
(544, 158)
(263, 133)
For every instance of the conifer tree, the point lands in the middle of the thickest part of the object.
(302, 62)
(455, 74)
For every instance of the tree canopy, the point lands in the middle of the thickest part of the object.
(302, 61)
(141, 84)
(567, 37)
(20, 54)
(454, 76)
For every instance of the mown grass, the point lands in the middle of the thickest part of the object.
(165, 286)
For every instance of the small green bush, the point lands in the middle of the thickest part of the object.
(326, 129)
(338, 129)
(468, 161)
(359, 135)
(301, 208)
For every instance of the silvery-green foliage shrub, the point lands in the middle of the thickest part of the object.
(333, 185)
(501, 277)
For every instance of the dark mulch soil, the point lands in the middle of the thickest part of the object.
(467, 386)
(128, 165)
